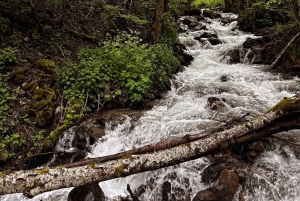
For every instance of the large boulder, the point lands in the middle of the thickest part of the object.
(211, 14)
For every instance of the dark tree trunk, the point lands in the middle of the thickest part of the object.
(159, 11)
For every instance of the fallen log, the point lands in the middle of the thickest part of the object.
(33, 182)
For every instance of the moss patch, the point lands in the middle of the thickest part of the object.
(3, 155)
(43, 171)
(119, 171)
(46, 65)
(287, 105)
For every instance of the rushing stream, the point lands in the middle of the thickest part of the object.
(246, 90)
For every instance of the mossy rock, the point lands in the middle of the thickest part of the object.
(20, 70)
(4, 155)
(31, 87)
(46, 65)
(19, 78)
(194, 11)
(193, 24)
(49, 93)
(211, 14)
(38, 94)
(44, 116)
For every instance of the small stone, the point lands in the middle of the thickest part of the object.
(23, 92)
(215, 103)
(256, 146)
(224, 78)
(10, 111)
(24, 84)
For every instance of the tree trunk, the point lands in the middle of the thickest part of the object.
(226, 4)
(159, 11)
(284, 115)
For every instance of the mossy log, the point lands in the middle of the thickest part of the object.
(285, 115)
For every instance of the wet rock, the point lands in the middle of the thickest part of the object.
(194, 11)
(296, 67)
(174, 192)
(151, 104)
(252, 155)
(91, 192)
(215, 103)
(232, 56)
(214, 41)
(208, 194)
(166, 190)
(230, 179)
(201, 17)
(224, 78)
(203, 27)
(95, 133)
(186, 21)
(257, 41)
(211, 14)
(212, 172)
(193, 25)
(216, 193)
(256, 146)
(208, 35)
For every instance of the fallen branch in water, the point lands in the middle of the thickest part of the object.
(285, 115)
(283, 51)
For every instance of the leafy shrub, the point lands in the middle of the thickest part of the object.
(164, 63)
(12, 143)
(122, 62)
(3, 24)
(16, 39)
(4, 100)
(7, 56)
(208, 3)
(169, 29)
(134, 19)
(122, 66)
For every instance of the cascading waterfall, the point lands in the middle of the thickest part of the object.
(245, 90)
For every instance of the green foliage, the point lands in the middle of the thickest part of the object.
(164, 63)
(12, 143)
(4, 103)
(7, 56)
(135, 19)
(207, 3)
(16, 39)
(176, 5)
(3, 24)
(38, 138)
(169, 29)
(113, 11)
(122, 62)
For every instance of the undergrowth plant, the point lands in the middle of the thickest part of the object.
(122, 66)
(8, 56)
(4, 103)
(208, 3)
(121, 62)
